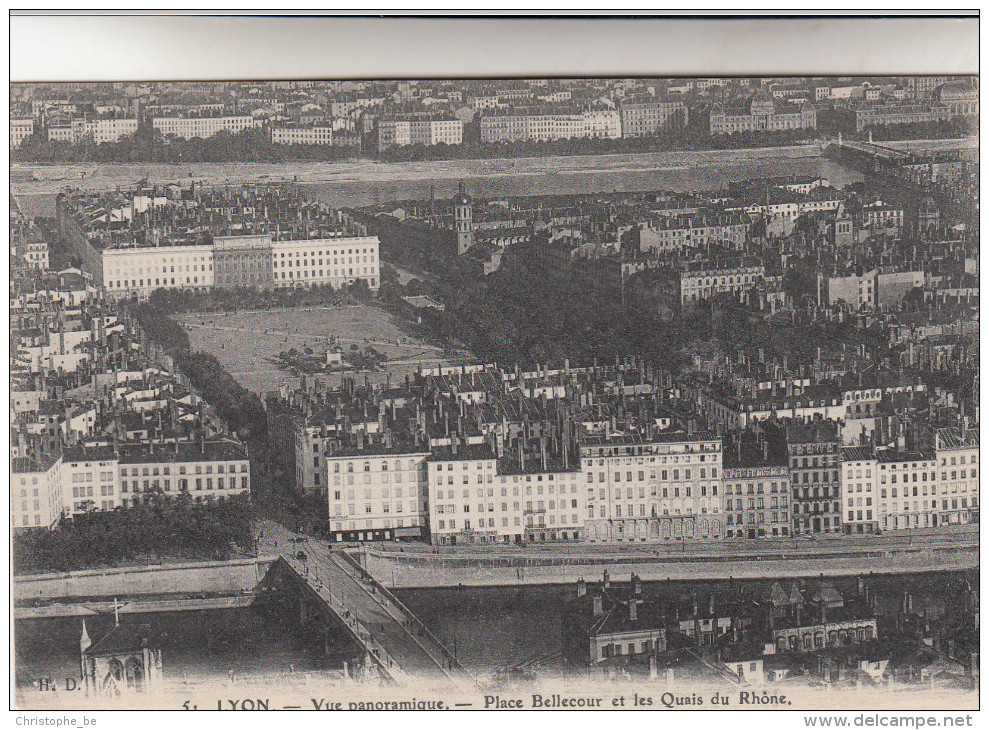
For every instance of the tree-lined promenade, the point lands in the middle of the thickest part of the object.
(254, 145)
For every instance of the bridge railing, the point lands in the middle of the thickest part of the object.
(381, 656)
(445, 658)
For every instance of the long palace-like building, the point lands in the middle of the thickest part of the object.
(201, 239)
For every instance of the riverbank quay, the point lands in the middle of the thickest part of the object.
(194, 580)
(416, 569)
(413, 565)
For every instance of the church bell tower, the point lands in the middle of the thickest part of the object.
(463, 215)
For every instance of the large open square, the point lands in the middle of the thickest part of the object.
(248, 343)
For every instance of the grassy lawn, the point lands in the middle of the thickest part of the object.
(248, 342)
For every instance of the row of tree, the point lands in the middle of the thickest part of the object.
(951, 129)
(161, 527)
(241, 409)
(254, 145)
(149, 145)
(177, 301)
(674, 139)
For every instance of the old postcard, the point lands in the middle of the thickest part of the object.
(653, 392)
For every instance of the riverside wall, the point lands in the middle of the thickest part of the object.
(402, 570)
(209, 578)
(420, 569)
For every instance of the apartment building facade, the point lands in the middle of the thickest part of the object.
(20, 129)
(957, 456)
(36, 492)
(644, 118)
(700, 284)
(240, 261)
(376, 495)
(106, 477)
(667, 234)
(538, 126)
(97, 131)
(401, 132)
(815, 479)
(36, 255)
(860, 491)
(908, 490)
(337, 262)
(757, 501)
(459, 479)
(314, 135)
(139, 270)
(659, 490)
(882, 116)
(202, 127)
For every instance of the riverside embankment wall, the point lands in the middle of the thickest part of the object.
(408, 570)
(414, 569)
(211, 578)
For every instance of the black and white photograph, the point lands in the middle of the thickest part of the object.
(468, 391)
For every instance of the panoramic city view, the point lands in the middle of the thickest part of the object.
(495, 393)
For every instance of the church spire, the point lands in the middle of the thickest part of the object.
(84, 640)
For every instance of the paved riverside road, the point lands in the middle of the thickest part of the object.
(819, 544)
(416, 653)
(409, 566)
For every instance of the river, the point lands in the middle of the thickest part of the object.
(505, 627)
(364, 182)
(703, 173)
(490, 629)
